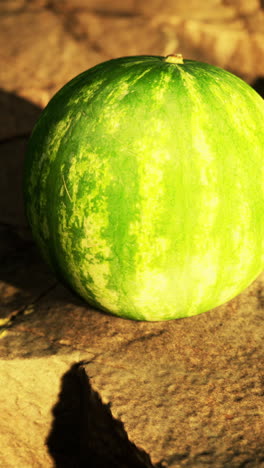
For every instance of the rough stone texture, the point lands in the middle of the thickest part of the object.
(29, 389)
(191, 393)
(188, 392)
(60, 38)
(184, 393)
(79, 387)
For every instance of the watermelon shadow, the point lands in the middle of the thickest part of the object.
(21, 264)
(24, 277)
(18, 253)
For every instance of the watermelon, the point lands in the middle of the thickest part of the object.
(144, 186)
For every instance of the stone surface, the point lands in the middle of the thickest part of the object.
(45, 53)
(190, 393)
(59, 39)
(79, 387)
(23, 276)
(29, 390)
(183, 393)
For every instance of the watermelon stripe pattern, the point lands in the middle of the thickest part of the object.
(144, 186)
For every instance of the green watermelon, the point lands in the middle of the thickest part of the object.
(144, 186)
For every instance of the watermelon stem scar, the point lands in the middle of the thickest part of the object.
(174, 58)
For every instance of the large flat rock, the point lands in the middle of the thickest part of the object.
(59, 39)
(80, 388)
(187, 392)
(190, 393)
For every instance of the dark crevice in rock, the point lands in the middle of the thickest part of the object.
(104, 439)
(22, 267)
(146, 337)
(115, 13)
(15, 137)
(27, 309)
(258, 85)
(85, 434)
